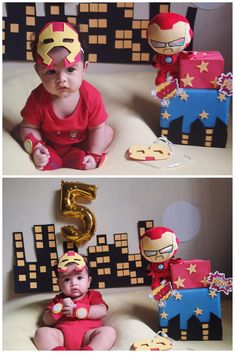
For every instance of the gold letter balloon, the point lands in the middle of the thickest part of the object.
(70, 193)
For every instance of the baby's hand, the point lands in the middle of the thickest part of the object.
(41, 156)
(89, 162)
(68, 307)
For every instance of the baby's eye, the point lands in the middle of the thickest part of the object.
(71, 69)
(50, 72)
(79, 277)
(66, 279)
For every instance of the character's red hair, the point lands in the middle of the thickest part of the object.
(157, 233)
(167, 20)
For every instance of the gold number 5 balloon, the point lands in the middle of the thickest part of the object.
(70, 194)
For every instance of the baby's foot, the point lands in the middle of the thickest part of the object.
(89, 162)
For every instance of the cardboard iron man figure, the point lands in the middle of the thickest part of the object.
(168, 35)
(158, 245)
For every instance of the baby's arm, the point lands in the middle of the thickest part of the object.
(98, 140)
(26, 129)
(97, 311)
(38, 150)
(47, 318)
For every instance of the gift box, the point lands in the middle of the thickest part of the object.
(200, 69)
(196, 117)
(192, 314)
(190, 274)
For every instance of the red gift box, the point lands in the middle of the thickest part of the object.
(190, 274)
(200, 69)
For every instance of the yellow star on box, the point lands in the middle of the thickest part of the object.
(221, 97)
(178, 296)
(187, 81)
(203, 115)
(179, 282)
(184, 96)
(164, 315)
(212, 293)
(203, 66)
(214, 83)
(165, 115)
(198, 311)
(191, 268)
(204, 281)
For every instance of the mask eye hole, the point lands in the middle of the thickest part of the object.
(48, 40)
(68, 40)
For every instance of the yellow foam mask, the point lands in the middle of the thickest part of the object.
(71, 257)
(59, 34)
(156, 344)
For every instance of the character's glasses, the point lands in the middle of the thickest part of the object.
(175, 43)
(166, 250)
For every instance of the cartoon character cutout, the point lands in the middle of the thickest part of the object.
(158, 245)
(168, 35)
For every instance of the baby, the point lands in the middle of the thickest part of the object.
(64, 119)
(75, 315)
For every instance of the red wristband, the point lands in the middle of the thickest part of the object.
(99, 158)
(56, 311)
(81, 311)
(31, 142)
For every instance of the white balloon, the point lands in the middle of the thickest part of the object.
(183, 218)
(208, 5)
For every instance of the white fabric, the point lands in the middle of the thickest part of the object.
(131, 313)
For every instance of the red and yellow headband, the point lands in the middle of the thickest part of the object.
(71, 257)
(58, 34)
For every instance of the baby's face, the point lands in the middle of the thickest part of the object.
(73, 283)
(61, 81)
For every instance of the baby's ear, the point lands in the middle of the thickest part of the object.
(86, 63)
(89, 281)
(36, 68)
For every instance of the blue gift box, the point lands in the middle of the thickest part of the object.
(192, 314)
(196, 117)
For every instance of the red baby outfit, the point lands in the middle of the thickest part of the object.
(63, 136)
(73, 328)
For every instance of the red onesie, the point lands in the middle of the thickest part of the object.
(74, 329)
(64, 136)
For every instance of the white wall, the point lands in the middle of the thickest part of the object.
(119, 205)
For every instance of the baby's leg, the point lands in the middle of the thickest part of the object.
(47, 338)
(108, 136)
(99, 339)
(74, 159)
(54, 161)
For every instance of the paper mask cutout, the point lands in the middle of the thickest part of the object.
(71, 257)
(160, 342)
(58, 34)
(152, 153)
